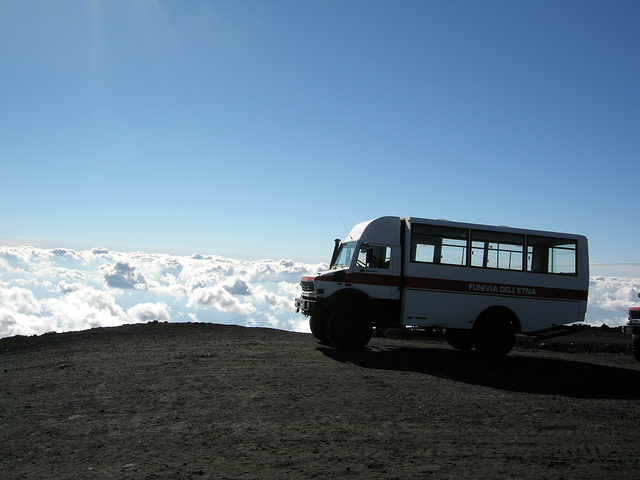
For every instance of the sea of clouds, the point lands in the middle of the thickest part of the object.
(57, 290)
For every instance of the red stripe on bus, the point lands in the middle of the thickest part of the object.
(459, 286)
(465, 286)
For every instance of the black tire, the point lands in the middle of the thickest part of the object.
(636, 347)
(494, 335)
(349, 328)
(318, 326)
(459, 339)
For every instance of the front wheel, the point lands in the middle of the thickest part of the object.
(349, 328)
(318, 325)
(636, 347)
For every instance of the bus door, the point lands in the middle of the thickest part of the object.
(377, 269)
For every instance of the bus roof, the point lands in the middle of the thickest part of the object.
(387, 229)
(493, 228)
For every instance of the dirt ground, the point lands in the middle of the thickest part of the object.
(190, 401)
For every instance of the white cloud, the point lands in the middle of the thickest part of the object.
(67, 255)
(614, 293)
(15, 258)
(149, 312)
(280, 303)
(56, 290)
(220, 299)
(610, 299)
(84, 308)
(64, 287)
(14, 323)
(299, 324)
(19, 300)
(289, 289)
(123, 275)
(237, 287)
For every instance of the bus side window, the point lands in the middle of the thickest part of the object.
(424, 249)
(438, 244)
(497, 250)
(551, 255)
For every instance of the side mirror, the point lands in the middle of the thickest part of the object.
(638, 294)
(334, 255)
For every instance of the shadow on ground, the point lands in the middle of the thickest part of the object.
(513, 373)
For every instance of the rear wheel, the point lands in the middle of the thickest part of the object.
(494, 335)
(318, 326)
(349, 328)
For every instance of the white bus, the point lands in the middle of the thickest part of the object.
(480, 284)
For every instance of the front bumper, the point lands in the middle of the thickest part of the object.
(307, 305)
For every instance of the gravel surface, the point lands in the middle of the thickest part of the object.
(190, 401)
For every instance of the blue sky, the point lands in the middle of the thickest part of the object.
(259, 129)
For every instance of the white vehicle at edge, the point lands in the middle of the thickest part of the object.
(480, 284)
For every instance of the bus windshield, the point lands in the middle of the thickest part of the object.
(345, 253)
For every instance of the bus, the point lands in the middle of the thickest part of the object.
(480, 284)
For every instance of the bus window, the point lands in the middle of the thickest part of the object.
(374, 257)
(424, 252)
(551, 255)
(436, 244)
(497, 250)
